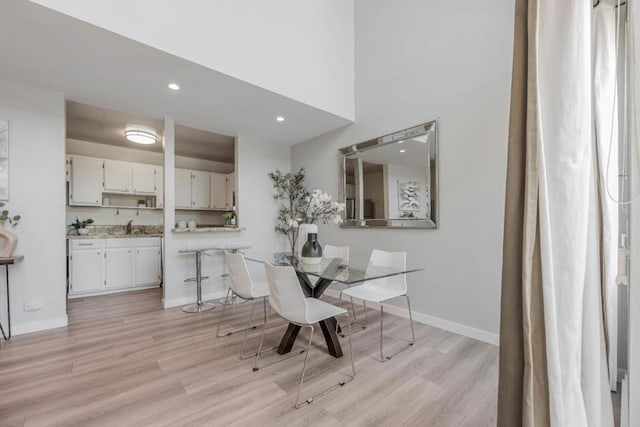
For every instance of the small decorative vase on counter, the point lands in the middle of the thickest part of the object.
(312, 251)
(8, 242)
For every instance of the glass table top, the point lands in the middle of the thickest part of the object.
(336, 270)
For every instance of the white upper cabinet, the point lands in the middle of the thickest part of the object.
(200, 190)
(231, 190)
(192, 189)
(218, 191)
(143, 178)
(183, 188)
(85, 187)
(159, 186)
(117, 176)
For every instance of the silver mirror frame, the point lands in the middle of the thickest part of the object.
(392, 138)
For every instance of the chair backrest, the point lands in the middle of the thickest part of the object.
(395, 260)
(285, 294)
(239, 278)
(330, 251)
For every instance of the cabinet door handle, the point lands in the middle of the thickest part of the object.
(85, 244)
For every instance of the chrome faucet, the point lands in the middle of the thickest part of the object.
(129, 227)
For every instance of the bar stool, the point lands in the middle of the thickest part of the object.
(198, 249)
(199, 306)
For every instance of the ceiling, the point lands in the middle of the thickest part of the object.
(89, 123)
(90, 65)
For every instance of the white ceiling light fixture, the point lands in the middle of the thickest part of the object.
(280, 119)
(402, 151)
(140, 136)
(174, 86)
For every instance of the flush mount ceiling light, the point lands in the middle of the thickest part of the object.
(402, 151)
(173, 86)
(140, 136)
(280, 119)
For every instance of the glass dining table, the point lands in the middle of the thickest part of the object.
(328, 271)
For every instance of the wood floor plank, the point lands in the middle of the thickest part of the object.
(125, 361)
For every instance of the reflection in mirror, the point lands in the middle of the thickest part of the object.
(391, 181)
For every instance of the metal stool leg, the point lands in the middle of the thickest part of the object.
(199, 306)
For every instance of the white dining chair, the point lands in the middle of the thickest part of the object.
(240, 284)
(330, 251)
(385, 288)
(287, 299)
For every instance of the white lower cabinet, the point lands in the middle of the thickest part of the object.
(85, 271)
(106, 265)
(147, 266)
(118, 268)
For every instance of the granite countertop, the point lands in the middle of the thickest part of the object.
(208, 229)
(117, 232)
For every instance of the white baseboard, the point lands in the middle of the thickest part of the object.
(447, 325)
(177, 302)
(111, 291)
(25, 328)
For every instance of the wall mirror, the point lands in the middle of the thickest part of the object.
(392, 181)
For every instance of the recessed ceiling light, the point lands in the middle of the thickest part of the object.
(173, 86)
(401, 141)
(402, 151)
(140, 136)
(280, 119)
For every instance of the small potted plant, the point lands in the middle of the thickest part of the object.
(81, 226)
(229, 218)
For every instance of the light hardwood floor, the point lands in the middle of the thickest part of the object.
(124, 361)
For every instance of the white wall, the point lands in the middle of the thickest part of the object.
(36, 179)
(257, 213)
(446, 60)
(301, 49)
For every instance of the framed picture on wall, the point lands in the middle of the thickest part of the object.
(4, 160)
(408, 195)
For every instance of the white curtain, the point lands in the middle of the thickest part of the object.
(605, 113)
(568, 208)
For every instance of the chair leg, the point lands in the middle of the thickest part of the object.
(366, 317)
(413, 335)
(353, 367)
(310, 400)
(224, 306)
(246, 332)
(382, 359)
(304, 368)
(264, 329)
